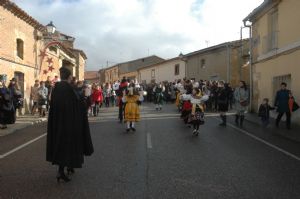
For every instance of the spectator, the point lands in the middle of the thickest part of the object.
(282, 104)
(34, 95)
(7, 111)
(241, 96)
(43, 99)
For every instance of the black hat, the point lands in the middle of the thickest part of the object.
(64, 73)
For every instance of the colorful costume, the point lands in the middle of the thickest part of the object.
(158, 97)
(132, 110)
(197, 114)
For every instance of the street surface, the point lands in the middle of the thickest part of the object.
(160, 160)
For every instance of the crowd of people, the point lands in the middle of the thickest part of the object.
(69, 102)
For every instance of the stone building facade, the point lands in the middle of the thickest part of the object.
(165, 71)
(25, 54)
(276, 49)
(226, 61)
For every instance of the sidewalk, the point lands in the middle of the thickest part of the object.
(293, 134)
(21, 123)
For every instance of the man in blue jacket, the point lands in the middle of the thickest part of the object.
(282, 104)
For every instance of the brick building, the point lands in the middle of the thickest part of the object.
(92, 77)
(27, 54)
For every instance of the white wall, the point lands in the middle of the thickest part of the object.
(164, 72)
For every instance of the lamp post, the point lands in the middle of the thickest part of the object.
(49, 41)
(50, 28)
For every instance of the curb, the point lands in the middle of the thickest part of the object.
(278, 134)
(11, 129)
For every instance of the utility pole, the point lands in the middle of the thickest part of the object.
(207, 43)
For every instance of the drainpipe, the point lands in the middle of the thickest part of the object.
(228, 63)
(250, 63)
(241, 53)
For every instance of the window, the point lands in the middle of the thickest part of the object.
(202, 63)
(271, 39)
(177, 69)
(153, 73)
(273, 29)
(53, 49)
(20, 48)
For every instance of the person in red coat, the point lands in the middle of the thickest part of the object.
(97, 100)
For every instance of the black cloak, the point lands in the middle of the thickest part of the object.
(68, 133)
(7, 110)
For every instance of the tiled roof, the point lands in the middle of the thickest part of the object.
(162, 62)
(222, 45)
(258, 10)
(134, 65)
(90, 75)
(18, 12)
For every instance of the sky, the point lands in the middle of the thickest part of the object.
(116, 31)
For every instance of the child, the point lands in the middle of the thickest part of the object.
(132, 110)
(264, 112)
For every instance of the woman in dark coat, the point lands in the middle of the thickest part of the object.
(68, 137)
(223, 101)
(7, 111)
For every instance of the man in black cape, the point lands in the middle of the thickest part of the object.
(68, 135)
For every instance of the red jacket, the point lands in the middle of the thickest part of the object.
(97, 96)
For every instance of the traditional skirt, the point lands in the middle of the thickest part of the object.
(132, 110)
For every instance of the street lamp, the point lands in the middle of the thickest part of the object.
(50, 28)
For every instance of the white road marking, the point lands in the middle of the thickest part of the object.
(263, 141)
(149, 142)
(22, 146)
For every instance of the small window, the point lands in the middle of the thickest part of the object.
(177, 69)
(202, 63)
(20, 48)
(153, 73)
(53, 49)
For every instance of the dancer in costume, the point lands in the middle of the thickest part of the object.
(197, 114)
(158, 96)
(132, 101)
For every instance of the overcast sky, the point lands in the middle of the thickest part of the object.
(122, 30)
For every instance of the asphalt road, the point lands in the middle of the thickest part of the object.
(160, 160)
